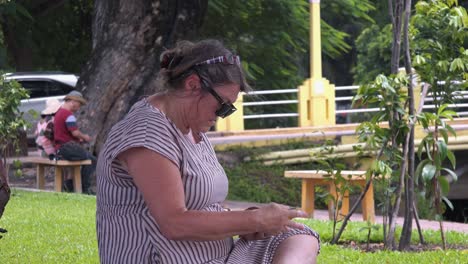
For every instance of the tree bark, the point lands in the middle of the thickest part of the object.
(396, 17)
(19, 55)
(128, 37)
(405, 238)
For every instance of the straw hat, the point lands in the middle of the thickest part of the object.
(52, 106)
(76, 96)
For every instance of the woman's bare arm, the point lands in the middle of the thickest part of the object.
(160, 182)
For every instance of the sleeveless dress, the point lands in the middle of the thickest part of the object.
(126, 231)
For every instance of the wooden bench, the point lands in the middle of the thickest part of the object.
(311, 178)
(41, 163)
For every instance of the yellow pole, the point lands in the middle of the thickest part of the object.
(316, 95)
(234, 122)
(315, 41)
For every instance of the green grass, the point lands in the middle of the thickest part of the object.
(48, 227)
(60, 228)
(336, 254)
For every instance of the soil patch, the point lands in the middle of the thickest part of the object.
(27, 179)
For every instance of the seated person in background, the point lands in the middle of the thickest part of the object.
(160, 185)
(44, 130)
(68, 138)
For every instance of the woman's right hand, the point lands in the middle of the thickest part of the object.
(275, 218)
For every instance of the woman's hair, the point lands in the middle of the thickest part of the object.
(181, 61)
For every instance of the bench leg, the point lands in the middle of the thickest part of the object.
(77, 179)
(368, 211)
(40, 176)
(58, 179)
(345, 205)
(344, 202)
(308, 196)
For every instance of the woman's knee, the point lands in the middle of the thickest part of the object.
(297, 249)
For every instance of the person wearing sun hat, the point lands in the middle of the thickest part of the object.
(52, 106)
(68, 138)
(43, 142)
(76, 96)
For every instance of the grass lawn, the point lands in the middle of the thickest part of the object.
(60, 228)
(48, 227)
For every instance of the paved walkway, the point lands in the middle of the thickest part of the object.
(323, 215)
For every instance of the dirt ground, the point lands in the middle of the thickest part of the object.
(27, 179)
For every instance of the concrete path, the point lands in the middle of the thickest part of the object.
(323, 215)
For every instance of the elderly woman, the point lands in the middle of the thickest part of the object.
(160, 185)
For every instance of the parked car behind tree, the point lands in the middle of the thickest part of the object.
(41, 87)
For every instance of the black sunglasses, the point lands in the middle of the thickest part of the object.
(226, 108)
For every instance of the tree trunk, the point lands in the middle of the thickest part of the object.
(396, 17)
(20, 55)
(17, 31)
(405, 238)
(128, 37)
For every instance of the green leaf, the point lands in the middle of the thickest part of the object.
(443, 65)
(451, 158)
(419, 168)
(448, 202)
(419, 60)
(443, 131)
(427, 147)
(457, 64)
(451, 130)
(420, 149)
(442, 149)
(451, 173)
(441, 109)
(428, 172)
(17, 164)
(444, 185)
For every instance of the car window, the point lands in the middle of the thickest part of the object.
(36, 88)
(56, 88)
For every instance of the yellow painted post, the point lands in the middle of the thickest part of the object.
(416, 90)
(418, 131)
(303, 97)
(316, 96)
(416, 81)
(234, 122)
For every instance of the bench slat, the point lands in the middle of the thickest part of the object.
(40, 160)
(319, 174)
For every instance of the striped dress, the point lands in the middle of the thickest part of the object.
(126, 231)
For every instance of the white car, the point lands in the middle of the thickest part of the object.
(41, 86)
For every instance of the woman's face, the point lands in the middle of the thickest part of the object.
(208, 105)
